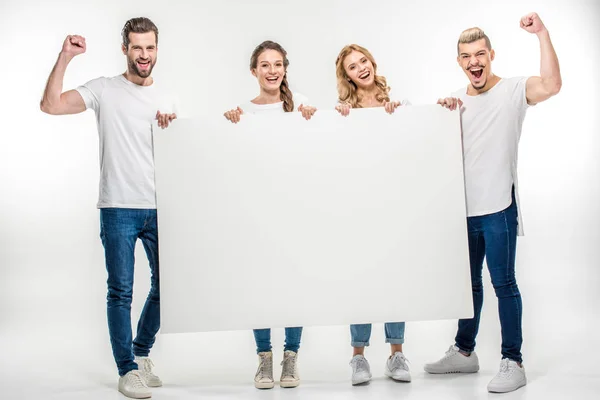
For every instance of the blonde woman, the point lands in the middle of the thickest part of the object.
(359, 86)
(268, 64)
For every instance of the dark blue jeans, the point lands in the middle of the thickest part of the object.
(494, 236)
(292, 339)
(119, 230)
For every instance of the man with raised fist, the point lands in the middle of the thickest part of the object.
(492, 113)
(126, 107)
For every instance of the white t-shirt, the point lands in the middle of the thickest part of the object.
(251, 108)
(491, 129)
(125, 113)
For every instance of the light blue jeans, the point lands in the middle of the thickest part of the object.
(361, 333)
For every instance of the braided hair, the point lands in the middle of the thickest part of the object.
(286, 93)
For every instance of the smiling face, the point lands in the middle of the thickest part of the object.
(476, 61)
(359, 69)
(141, 53)
(269, 70)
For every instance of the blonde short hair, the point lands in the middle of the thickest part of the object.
(472, 35)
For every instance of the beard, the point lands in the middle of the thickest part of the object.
(481, 85)
(141, 73)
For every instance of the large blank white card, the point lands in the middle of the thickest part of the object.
(277, 221)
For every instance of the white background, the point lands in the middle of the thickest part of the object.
(52, 279)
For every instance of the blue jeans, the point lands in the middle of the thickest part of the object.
(292, 339)
(494, 236)
(361, 333)
(119, 230)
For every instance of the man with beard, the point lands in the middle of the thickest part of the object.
(492, 113)
(126, 106)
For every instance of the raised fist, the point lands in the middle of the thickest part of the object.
(74, 45)
(532, 23)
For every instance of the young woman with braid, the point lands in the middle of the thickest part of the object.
(359, 86)
(269, 65)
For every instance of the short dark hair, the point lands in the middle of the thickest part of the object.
(138, 25)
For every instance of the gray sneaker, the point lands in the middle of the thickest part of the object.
(289, 372)
(454, 362)
(361, 371)
(396, 367)
(264, 374)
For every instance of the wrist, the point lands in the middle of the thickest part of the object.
(66, 57)
(543, 33)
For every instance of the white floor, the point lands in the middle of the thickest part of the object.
(74, 364)
(540, 387)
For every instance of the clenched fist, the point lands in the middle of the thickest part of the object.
(73, 45)
(532, 23)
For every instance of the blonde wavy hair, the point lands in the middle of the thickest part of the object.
(347, 90)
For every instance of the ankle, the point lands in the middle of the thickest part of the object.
(396, 348)
(358, 351)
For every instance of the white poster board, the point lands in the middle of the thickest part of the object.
(277, 221)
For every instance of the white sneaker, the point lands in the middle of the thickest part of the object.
(509, 378)
(133, 386)
(289, 372)
(264, 374)
(361, 371)
(454, 362)
(397, 368)
(145, 366)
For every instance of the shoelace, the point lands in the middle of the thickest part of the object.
(289, 364)
(136, 380)
(360, 364)
(450, 352)
(266, 367)
(147, 365)
(399, 361)
(505, 369)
